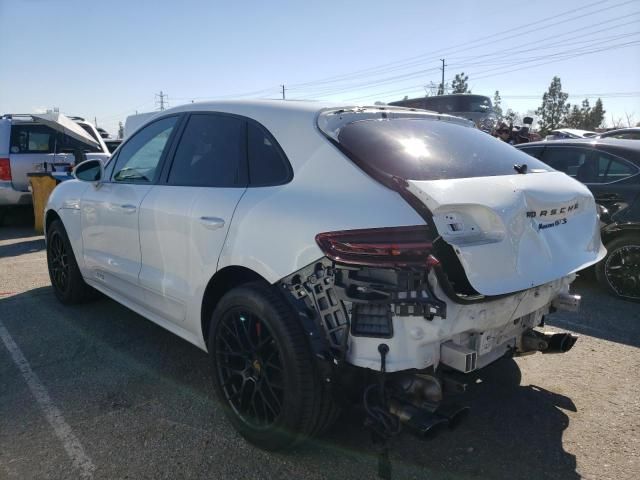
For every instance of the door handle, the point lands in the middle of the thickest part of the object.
(128, 208)
(212, 223)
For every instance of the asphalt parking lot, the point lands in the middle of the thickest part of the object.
(97, 390)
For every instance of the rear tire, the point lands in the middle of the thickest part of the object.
(619, 271)
(66, 279)
(264, 371)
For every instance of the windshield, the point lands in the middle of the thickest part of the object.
(428, 149)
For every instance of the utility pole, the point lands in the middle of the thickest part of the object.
(442, 68)
(161, 96)
(95, 121)
(283, 89)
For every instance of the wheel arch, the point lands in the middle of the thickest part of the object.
(223, 281)
(613, 231)
(49, 218)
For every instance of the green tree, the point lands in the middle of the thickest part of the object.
(441, 88)
(596, 116)
(459, 84)
(574, 119)
(554, 108)
(497, 105)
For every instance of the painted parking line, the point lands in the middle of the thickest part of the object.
(63, 431)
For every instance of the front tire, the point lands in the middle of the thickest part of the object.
(619, 271)
(264, 371)
(66, 279)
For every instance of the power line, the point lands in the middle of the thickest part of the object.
(551, 42)
(529, 65)
(473, 44)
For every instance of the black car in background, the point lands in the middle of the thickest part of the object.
(610, 168)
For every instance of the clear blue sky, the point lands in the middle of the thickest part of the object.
(106, 59)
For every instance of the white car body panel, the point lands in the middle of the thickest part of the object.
(501, 248)
(259, 230)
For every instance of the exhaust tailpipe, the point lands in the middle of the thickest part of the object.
(420, 422)
(547, 342)
(560, 343)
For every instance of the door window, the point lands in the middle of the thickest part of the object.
(32, 138)
(267, 164)
(211, 153)
(139, 157)
(611, 169)
(575, 162)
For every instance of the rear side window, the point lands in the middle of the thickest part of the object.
(267, 163)
(612, 169)
(429, 149)
(32, 139)
(211, 153)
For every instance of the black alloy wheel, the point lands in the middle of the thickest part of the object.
(59, 262)
(66, 278)
(249, 368)
(622, 270)
(264, 372)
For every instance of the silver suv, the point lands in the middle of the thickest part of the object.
(31, 143)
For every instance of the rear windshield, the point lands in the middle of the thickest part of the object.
(458, 103)
(429, 149)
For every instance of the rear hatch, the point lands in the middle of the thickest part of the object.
(512, 221)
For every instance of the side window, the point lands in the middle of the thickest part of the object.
(138, 159)
(612, 169)
(575, 162)
(267, 164)
(535, 152)
(32, 138)
(211, 153)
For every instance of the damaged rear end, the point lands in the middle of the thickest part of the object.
(502, 238)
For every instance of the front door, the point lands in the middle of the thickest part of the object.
(110, 210)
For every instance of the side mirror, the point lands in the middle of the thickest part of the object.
(89, 171)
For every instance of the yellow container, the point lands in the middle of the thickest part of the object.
(42, 184)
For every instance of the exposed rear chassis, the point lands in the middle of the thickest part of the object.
(399, 325)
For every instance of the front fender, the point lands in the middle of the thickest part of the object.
(65, 201)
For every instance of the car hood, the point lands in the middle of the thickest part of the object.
(515, 232)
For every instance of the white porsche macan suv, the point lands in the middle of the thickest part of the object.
(322, 253)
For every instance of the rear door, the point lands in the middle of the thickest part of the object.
(184, 219)
(31, 146)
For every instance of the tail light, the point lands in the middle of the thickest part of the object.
(5, 170)
(379, 247)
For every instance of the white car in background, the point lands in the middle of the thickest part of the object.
(319, 250)
(563, 133)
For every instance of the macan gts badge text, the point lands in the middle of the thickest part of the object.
(551, 212)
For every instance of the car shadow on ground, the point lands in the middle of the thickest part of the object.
(514, 430)
(21, 248)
